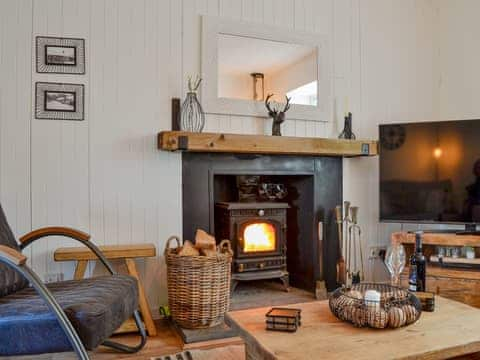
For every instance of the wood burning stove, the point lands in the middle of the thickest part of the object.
(258, 232)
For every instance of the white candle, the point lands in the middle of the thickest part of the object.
(372, 298)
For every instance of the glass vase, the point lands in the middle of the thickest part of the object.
(192, 115)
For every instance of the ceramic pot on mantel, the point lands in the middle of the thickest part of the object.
(192, 115)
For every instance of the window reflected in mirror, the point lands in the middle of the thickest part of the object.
(250, 68)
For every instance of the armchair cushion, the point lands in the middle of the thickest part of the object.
(10, 280)
(96, 307)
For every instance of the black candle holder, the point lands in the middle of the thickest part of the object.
(347, 132)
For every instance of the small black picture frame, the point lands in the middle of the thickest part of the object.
(59, 101)
(60, 55)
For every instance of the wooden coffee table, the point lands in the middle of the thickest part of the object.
(452, 330)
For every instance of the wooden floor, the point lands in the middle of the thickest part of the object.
(165, 343)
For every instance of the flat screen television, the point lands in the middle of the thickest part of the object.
(430, 172)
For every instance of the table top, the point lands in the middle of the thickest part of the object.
(110, 252)
(452, 330)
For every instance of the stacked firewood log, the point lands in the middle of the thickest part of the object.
(205, 245)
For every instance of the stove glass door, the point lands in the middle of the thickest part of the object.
(259, 237)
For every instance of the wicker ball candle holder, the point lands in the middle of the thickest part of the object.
(375, 305)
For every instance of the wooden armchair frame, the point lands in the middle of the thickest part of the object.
(17, 261)
(78, 235)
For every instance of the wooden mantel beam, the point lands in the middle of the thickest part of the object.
(263, 144)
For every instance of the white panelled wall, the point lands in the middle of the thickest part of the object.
(105, 176)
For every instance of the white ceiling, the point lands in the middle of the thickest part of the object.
(240, 55)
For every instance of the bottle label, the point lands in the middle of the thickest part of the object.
(412, 279)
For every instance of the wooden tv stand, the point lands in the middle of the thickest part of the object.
(454, 283)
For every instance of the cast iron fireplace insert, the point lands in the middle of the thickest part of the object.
(258, 233)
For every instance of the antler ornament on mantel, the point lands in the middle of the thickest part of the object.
(277, 116)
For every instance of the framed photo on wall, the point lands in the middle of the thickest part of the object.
(60, 55)
(59, 101)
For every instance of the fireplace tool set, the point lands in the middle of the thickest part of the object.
(350, 266)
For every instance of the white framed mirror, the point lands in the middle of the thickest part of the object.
(244, 62)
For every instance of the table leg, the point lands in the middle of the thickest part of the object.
(144, 307)
(80, 269)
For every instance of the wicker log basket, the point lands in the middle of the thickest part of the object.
(198, 286)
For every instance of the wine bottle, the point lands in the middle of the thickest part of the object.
(416, 280)
(421, 262)
(412, 276)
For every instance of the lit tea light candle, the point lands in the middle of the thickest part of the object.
(372, 298)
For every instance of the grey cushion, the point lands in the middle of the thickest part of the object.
(10, 280)
(96, 307)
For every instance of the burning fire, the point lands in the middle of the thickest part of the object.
(259, 237)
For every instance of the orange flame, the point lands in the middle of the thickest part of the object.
(259, 237)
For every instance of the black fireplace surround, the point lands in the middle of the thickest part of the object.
(314, 186)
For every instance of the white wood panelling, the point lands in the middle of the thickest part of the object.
(393, 81)
(59, 164)
(15, 113)
(104, 175)
(459, 82)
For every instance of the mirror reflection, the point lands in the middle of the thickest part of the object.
(251, 68)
